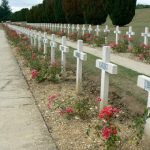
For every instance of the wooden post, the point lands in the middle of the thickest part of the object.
(107, 68)
(80, 57)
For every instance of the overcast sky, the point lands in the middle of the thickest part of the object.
(19, 4)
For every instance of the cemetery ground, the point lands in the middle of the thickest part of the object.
(78, 131)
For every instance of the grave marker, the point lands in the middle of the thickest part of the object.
(106, 31)
(130, 33)
(31, 37)
(107, 68)
(144, 83)
(78, 28)
(73, 28)
(64, 49)
(97, 30)
(117, 32)
(90, 29)
(68, 27)
(81, 56)
(35, 38)
(45, 41)
(83, 30)
(39, 40)
(146, 35)
(53, 45)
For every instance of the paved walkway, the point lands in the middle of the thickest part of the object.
(21, 124)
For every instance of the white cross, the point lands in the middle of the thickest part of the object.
(55, 27)
(58, 27)
(35, 38)
(90, 29)
(106, 31)
(80, 57)
(53, 45)
(39, 40)
(144, 83)
(107, 68)
(68, 27)
(31, 37)
(78, 28)
(64, 49)
(97, 30)
(45, 41)
(146, 35)
(117, 32)
(61, 27)
(83, 30)
(65, 28)
(73, 28)
(130, 32)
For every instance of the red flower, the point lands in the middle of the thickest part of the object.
(108, 112)
(113, 45)
(98, 99)
(69, 110)
(34, 74)
(106, 132)
(52, 98)
(115, 131)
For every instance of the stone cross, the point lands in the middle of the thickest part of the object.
(81, 56)
(106, 31)
(90, 29)
(146, 35)
(53, 46)
(68, 27)
(97, 30)
(107, 68)
(39, 40)
(117, 32)
(35, 38)
(45, 41)
(73, 28)
(64, 49)
(83, 30)
(144, 83)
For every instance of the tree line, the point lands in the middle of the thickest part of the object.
(121, 12)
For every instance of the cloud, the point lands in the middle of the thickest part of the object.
(19, 4)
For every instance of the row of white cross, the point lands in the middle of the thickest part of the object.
(72, 28)
(103, 64)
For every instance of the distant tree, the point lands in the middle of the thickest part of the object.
(20, 15)
(58, 12)
(5, 11)
(95, 11)
(121, 12)
(48, 11)
(73, 11)
(141, 6)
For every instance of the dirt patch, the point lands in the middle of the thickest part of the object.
(71, 134)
